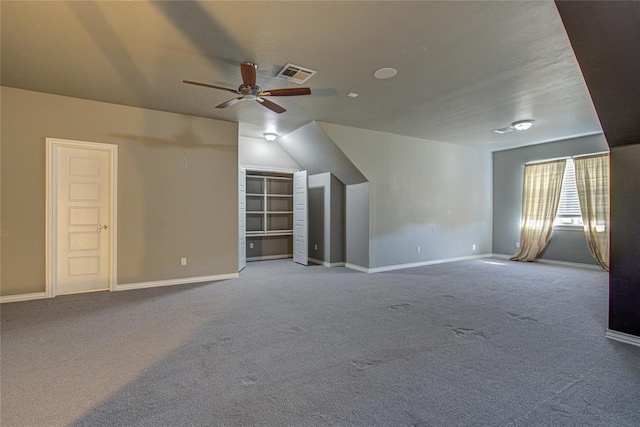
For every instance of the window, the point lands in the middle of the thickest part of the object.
(569, 208)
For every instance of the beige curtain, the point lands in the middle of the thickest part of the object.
(540, 199)
(592, 180)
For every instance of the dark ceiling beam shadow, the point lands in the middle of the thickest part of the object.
(196, 24)
(95, 24)
(184, 140)
(604, 36)
(187, 137)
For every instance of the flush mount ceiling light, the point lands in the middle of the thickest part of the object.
(352, 95)
(516, 126)
(270, 136)
(522, 124)
(385, 73)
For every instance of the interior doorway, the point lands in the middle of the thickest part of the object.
(81, 226)
(273, 215)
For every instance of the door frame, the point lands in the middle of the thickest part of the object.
(301, 177)
(51, 204)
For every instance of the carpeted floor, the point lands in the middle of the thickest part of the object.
(481, 342)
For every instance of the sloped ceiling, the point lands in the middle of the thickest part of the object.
(315, 151)
(464, 68)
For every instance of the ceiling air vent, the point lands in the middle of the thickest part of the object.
(295, 73)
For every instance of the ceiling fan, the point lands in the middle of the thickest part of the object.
(250, 91)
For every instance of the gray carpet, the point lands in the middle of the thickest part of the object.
(482, 342)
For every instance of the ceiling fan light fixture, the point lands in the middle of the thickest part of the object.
(522, 124)
(270, 136)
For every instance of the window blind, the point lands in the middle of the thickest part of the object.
(569, 202)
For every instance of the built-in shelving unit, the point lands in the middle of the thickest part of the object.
(269, 210)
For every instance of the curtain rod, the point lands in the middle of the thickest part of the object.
(591, 154)
(535, 162)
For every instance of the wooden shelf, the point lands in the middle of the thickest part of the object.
(269, 212)
(279, 233)
(270, 233)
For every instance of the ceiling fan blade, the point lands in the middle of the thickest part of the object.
(248, 70)
(230, 102)
(210, 86)
(294, 91)
(271, 105)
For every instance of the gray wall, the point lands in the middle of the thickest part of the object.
(508, 169)
(319, 221)
(624, 275)
(269, 246)
(326, 218)
(357, 224)
(258, 153)
(165, 211)
(422, 193)
(337, 220)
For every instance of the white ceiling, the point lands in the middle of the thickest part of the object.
(464, 68)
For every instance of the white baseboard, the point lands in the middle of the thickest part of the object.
(171, 282)
(622, 337)
(425, 263)
(129, 286)
(356, 267)
(327, 263)
(556, 262)
(22, 297)
(414, 264)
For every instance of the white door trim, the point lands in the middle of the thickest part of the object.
(300, 218)
(242, 218)
(50, 207)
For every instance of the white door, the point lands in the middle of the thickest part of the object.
(242, 218)
(300, 247)
(82, 187)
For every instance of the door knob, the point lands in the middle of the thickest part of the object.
(102, 227)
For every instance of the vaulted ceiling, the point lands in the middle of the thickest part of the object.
(464, 68)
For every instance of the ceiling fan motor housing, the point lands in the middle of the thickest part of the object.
(249, 92)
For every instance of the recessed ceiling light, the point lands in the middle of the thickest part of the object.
(385, 73)
(522, 124)
(270, 136)
(352, 95)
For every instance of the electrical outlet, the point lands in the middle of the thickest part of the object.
(517, 245)
(183, 261)
(315, 247)
(418, 249)
(250, 245)
(185, 163)
(474, 247)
